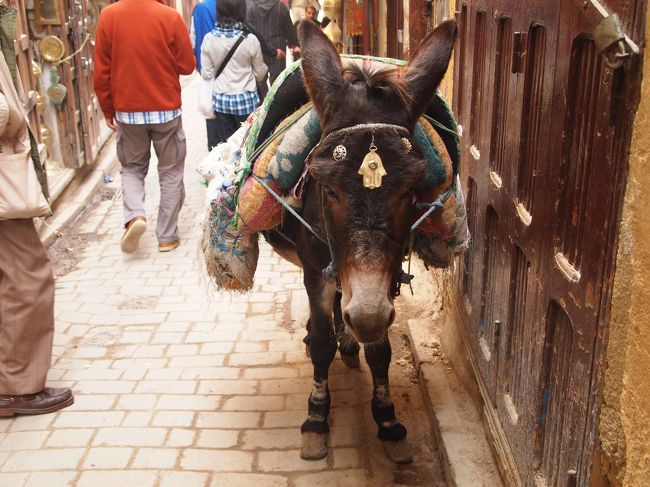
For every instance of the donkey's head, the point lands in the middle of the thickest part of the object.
(368, 111)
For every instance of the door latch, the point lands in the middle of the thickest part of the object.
(612, 42)
(609, 36)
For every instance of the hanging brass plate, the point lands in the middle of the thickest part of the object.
(51, 48)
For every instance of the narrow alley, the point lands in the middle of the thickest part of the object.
(176, 385)
(512, 144)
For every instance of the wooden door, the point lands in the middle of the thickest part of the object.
(395, 29)
(82, 36)
(546, 128)
(371, 28)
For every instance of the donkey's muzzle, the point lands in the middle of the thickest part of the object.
(369, 321)
(366, 305)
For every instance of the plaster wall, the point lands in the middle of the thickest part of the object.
(625, 413)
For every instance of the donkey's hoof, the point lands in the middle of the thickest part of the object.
(314, 446)
(351, 361)
(398, 452)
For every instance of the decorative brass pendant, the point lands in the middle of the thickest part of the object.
(372, 169)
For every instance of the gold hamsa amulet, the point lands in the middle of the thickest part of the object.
(372, 170)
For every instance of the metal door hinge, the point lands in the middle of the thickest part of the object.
(519, 47)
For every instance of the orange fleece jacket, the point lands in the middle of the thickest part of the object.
(141, 48)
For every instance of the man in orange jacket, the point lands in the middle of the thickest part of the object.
(141, 48)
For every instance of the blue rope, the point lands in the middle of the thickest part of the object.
(286, 206)
(437, 204)
(441, 126)
(330, 270)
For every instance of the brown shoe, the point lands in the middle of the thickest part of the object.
(167, 246)
(131, 238)
(46, 401)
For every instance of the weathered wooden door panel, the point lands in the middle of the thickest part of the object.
(546, 126)
(460, 65)
(395, 29)
(81, 33)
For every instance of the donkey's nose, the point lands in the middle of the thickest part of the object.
(369, 324)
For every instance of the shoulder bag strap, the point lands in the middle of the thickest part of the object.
(232, 51)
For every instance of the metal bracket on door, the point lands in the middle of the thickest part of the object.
(609, 36)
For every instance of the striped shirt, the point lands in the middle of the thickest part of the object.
(228, 30)
(144, 118)
(236, 104)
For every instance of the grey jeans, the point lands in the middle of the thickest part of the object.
(134, 152)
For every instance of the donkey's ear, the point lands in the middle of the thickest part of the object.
(321, 66)
(428, 66)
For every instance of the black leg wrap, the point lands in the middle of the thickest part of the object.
(395, 432)
(320, 427)
(319, 408)
(317, 419)
(386, 414)
(382, 414)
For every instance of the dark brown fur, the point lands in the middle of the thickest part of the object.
(368, 229)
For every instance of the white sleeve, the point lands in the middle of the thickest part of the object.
(259, 68)
(207, 66)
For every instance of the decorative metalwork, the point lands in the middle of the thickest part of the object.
(372, 169)
(340, 153)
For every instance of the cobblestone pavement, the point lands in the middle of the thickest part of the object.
(178, 386)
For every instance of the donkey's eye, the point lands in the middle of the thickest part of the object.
(329, 192)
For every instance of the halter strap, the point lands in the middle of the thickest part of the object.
(331, 270)
(400, 129)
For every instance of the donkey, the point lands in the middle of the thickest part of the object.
(361, 214)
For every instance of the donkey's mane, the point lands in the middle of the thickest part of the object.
(378, 82)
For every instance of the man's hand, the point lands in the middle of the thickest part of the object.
(279, 54)
(111, 123)
(296, 50)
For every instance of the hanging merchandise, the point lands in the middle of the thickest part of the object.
(50, 52)
(51, 48)
(57, 91)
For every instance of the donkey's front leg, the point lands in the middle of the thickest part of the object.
(390, 431)
(348, 346)
(322, 346)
